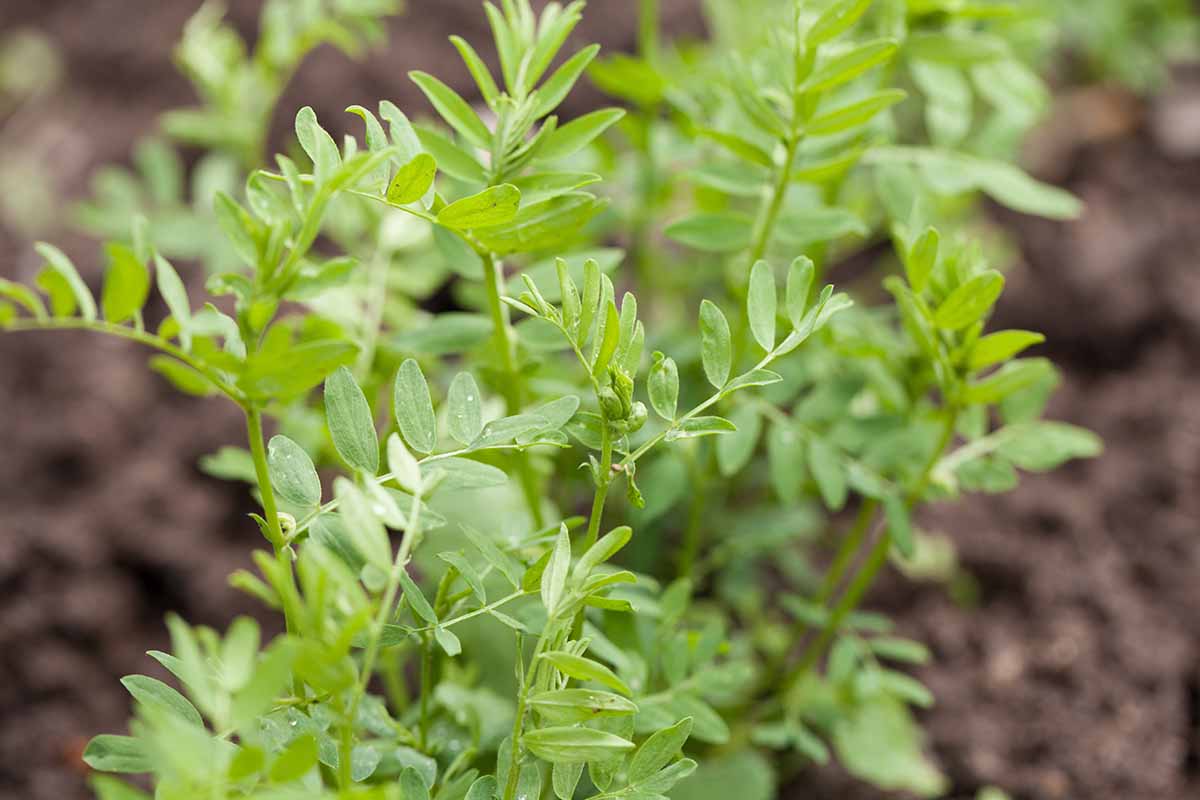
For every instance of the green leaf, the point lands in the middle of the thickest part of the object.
(468, 572)
(836, 20)
(828, 471)
(318, 145)
(1042, 446)
(183, 377)
(880, 742)
(413, 785)
(558, 85)
(585, 669)
(541, 186)
(799, 284)
(714, 233)
(126, 284)
(292, 472)
(455, 161)
(1013, 187)
(62, 266)
(1001, 346)
(970, 302)
(447, 641)
(609, 340)
(755, 377)
(761, 303)
(453, 109)
(716, 349)
(553, 223)
(956, 47)
(849, 65)
(949, 102)
(157, 695)
(446, 333)
(414, 408)
(171, 288)
(416, 599)
(663, 386)
(735, 450)
(296, 760)
(803, 227)
(479, 71)
(564, 778)
(412, 180)
(921, 260)
(605, 548)
(573, 744)
(403, 465)
(465, 473)
(658, 750)
(23, 296)
(363, 530)
(350, 422)
(554, 579)
(578, 134)
(464, 409)
(693, 427)
(107, 788)
(854, 114)
(785, 462)
(484, 788)
(495, 205)
(109, 753)
(506, 564)
(740, 147)
(565, 706)
(1007, 380)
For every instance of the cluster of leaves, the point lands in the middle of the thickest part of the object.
(526, 653)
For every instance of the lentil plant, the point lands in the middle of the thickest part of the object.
(562, 542)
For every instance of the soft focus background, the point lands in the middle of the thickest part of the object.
(1071, 671)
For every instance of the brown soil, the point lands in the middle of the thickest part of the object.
(1078, 675)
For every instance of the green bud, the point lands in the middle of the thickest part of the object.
(611, 404)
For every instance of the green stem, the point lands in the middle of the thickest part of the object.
(400, 563)
(514, 763)
(766, 222)
(512, 386)
(132, 334)
(602, 483)
(258, 452)
(691, 535)
(648, 30)
(426, 686)
(875, 560)
(847, 550)
(373, 315)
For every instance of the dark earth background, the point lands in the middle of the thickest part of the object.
(1077, 675)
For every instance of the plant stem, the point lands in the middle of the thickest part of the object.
(426, 685)
(875, 560)
(373, 313)
(766, 222)
(132, 334)
(648, 30)
(849, 547)
(602, 483)
(512, 386)
(254, 434)
(514, 764)
(691, 534)
(403, 553)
